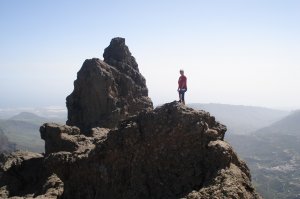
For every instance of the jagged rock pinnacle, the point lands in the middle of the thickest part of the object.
(117, 54)
(107, 92)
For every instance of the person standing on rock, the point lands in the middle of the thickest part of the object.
(182, 87)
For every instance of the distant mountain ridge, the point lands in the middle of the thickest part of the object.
(46, 112)
(29, 117)
(26, 116)
(241, 119)
(288, 125)
(23, 130)
(273, 155)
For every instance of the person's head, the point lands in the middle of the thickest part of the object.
(181, 72)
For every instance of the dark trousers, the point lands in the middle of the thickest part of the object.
(181, 94)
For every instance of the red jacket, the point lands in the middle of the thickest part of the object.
(182, 82)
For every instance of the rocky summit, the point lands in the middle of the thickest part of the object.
(170, 152)
(108, 91)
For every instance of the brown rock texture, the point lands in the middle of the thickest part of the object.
(23, 175)
(108, 91)
(170, 152)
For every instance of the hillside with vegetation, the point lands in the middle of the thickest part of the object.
(273, 155)
(5, 145)
(23, 130)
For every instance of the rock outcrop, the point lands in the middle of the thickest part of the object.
(23, 175)
(170, 152)
(107, 92)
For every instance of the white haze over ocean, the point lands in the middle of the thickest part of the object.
(233, 52)
(47, 112)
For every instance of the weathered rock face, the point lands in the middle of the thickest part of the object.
(171, 152)
(117, 54)
(23, 175)
(107, 92)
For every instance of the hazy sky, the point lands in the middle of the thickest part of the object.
(235, 52)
